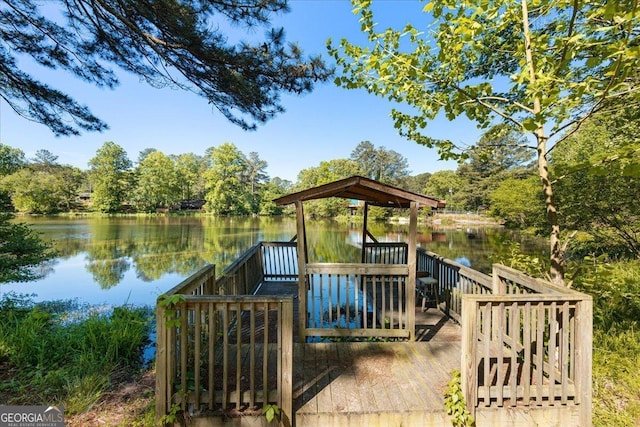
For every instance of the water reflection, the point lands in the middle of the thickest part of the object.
(134, 259)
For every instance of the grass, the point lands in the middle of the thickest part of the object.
(616, 378)
(50, 354)
(615, 287)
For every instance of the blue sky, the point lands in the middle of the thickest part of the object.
(323, 125)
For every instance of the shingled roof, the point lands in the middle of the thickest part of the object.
(361, 188)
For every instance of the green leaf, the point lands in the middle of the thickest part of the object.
(529, 124)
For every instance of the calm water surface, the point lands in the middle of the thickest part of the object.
(132, 260)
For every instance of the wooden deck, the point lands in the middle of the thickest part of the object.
(524, 350)
(374, 383)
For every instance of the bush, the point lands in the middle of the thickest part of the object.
(56, 356)
(615, 288)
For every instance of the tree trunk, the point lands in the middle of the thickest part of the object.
(556, 253)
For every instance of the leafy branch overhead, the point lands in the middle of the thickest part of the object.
(543, 66)
(173, 43)
(497, 59)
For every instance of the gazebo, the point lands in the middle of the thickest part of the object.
(225, 344)
(372, 193)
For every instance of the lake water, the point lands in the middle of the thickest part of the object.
(131, 260)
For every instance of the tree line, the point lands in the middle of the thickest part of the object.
(222, 181)
(595, 173)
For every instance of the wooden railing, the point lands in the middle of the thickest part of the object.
(528, 343)
(243, 276)
(220, 349)
(385, 253)
(454, 280)
(357, 300)
(280, 260)
(525, 341)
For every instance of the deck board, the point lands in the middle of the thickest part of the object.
(379, 383)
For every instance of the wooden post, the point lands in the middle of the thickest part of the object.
(162, 405)
(261, 263)
(498, 286)
(410, 297)
(364, 231)
(584, 343)
(302, 273)
(468, 369)
(286, 397)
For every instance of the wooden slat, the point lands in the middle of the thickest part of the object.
(265, 352)
(183, 352)
(286, 354)
(564, 352)
(225, 357)
(323, 389)
(526, 342)
(197, 355)
(163, 400)
(468, 357)
(500, 338)
(514, 331)
(584, 325)
(252, 354)
(541, 315)
(486, 331)
(553, 347)
(212, 350)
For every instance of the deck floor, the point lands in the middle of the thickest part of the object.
(375, 383)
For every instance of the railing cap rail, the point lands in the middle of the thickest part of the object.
(478, 276)
(358, 268)
(238, 298)
(193, 280)
(519, 277)
(524, 298)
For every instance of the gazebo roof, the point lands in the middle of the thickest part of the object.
(365, 189)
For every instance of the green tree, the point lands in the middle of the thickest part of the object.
(165, 42)
(21, 251)
(256, 176)
(543, 66)
(226, 192)
(108, 177)
(501, 153)
(446, 185)
(45, 159)
(518, 202)
(11, 160)
(416, 183)
(33, 191)
(598, 181)
(190, 168)
(325, 173)
(383, 165)
(69, 182)
(43, 189)
(157, 183)
(271, 190)
(144, 153)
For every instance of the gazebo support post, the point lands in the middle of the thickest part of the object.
(302, 272)
(411, 264)
(364, 231)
